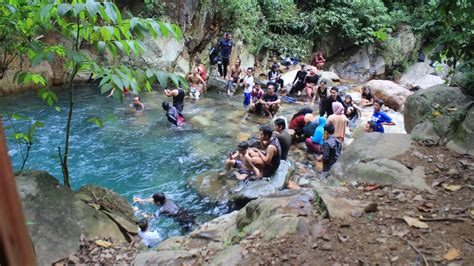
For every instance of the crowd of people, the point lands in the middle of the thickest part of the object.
(323, 131)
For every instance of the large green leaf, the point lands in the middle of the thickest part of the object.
(63, 9)
(92, 7)
(111, 11)
(162, 77)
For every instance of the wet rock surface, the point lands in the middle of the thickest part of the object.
(392, 94)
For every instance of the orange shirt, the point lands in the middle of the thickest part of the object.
(340, 123)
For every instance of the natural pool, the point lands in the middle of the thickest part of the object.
(135, 155)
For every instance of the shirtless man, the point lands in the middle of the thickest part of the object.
(237, 160)
(137, 104)
(196, 82)
(269, 161)
(234, 74)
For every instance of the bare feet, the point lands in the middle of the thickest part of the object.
(240, 176)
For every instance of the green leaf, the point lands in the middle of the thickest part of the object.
(119, 46)
(57, 108)
(63, 9)
(162, 77)
(78, 8)
(164, 29)
(92, 7)
(110, 118)
(134, 22)
(101, 46)
(18, 117)
(112, 49)
(45, 12)
(117, 81)
(110, 11)
(95, 120)
(105, 88)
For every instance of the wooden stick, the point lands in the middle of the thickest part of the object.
(417, 250)
(442, 219)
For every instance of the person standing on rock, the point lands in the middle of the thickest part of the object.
(322, 93)
(225, 48)
(248, 83)
(327, 103)
(380, 118)
(233, 76)
(269, 161)
(332, 149)
(169, 208)
(283, 137)
(178, 97)
(339, 120)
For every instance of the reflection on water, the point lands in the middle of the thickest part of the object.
(139, 154)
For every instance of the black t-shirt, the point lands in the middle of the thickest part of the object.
(285, 142)
(178, 100)
(300, 76)
(279, 84)
(270, 98)
(312, 79)
(366, 96)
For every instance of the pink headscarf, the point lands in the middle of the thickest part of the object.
(337, 108)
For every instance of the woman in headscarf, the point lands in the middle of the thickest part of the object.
(339, 120)
(315, 143)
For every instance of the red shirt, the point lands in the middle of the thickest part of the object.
(298, 122)
(203, 71)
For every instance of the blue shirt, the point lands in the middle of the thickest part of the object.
(379, 118)
(226, 47)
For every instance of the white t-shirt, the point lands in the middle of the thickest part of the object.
(249, 81)
(149, 239)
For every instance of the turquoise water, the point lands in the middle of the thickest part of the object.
(135, 155)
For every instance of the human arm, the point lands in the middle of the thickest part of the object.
(171, 93)
(202, 81)
(140, 200)
(111, 92)
(267, 158)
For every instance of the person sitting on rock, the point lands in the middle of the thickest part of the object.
(137, 104)
(169, 208)
(327, 103)
(310, 83)
(172, 114)
(269, 104)
(256, 94)
(352, 112)
(280, 85)
(234, 75)
(298, 121)
(273, 73)
(339, 120)
(178, 97)
(380, 118)
(311, 124)
(197, 83)
(367, 98)
(201, 67)
(237, 160)
(316, 141)
(299, 79)
(149, 238)
(332, 149)
(269, 161)
(318, 60)
(283, 137)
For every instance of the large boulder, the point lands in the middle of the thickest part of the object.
(57, 216)
(261, 188)
(162, 53)
(371, 158)
(365, 62)
(391, 93)
(211, 184)
(420, 74)
(442, 113)
(216, 83)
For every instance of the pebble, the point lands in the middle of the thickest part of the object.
(418, 198)
(394, 259)
(372, 207)
(326, 247)
(356, 214)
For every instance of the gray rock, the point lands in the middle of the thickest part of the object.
(370, 159)
(166, 257)
(337, 204)
(58, 217)
(420, 74)
(261, 188)
(450, 113)
(211, 184)
(228, 257)
(216, 83)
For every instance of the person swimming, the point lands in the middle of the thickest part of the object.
(172, 114)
